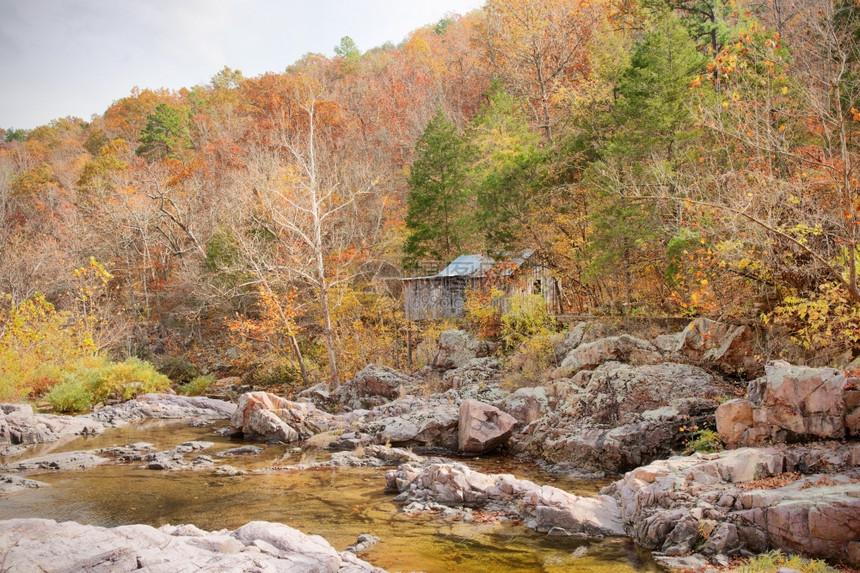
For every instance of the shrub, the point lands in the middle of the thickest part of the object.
(526, 317)
(96, 379)
(36, 344)
(773, 561)
(197, 386)
(125, 380)
(70, 395)
(483, 314)
(177, 368)
(532, 362)
(705, 441)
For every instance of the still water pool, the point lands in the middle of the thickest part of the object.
(338, 504)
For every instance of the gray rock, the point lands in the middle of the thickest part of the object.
(20, 425)
(362, 543)
(722, 541)
(693, 563)
(241, 451)
(526, 404)
(726, 347)
(541, 507)
(10, 483)
(45, 545)
(56, 462)
(620, 416)
(163, 406)
(457, 348)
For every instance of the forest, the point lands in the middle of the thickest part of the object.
(662, 158)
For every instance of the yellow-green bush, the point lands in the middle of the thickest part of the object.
(95, 380)
(197, 386)
(533, 361)
(773, 561)
(526, 317)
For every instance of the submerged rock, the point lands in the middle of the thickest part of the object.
(45, 545)
(543, 508)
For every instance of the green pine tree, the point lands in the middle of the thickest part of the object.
(166, 133)
(438, 216)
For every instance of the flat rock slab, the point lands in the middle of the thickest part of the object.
(163, 407)
(64, 461)
(10, 483)
(38, 545)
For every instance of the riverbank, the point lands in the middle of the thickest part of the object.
(612, 404)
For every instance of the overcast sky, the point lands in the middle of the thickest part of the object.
(75, 57)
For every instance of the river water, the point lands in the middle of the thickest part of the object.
(338, 504)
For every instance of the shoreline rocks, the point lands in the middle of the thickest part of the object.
(45, 545)
(543, 508)
(266, 417)
(19, 425)
(803, 499)
(162, 407)
(792, 404)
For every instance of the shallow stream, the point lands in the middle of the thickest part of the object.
(338, 504)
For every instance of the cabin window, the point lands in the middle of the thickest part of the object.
(537, 286)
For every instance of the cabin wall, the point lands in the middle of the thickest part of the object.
(435, 298)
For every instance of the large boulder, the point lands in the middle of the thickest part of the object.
(266, 417)
(543, 508)
(804, 499)
(526, 404)
(19, 425)
(413, 422)
(457, 348)
(729, 348)
(372, 384)
(791, 404)
(482, 428)
(620, 416)
(624, 348)
(45, 545)
(475, 371)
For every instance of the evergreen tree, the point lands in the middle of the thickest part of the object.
(438, 217)
(166, 133)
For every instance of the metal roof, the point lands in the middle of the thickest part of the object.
(467, 266)
(477, 265)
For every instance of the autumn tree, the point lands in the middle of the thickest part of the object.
(539, 50)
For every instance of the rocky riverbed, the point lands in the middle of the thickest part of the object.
(611, 405)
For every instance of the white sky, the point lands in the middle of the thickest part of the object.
(76, 57)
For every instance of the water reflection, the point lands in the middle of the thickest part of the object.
(338, 504)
